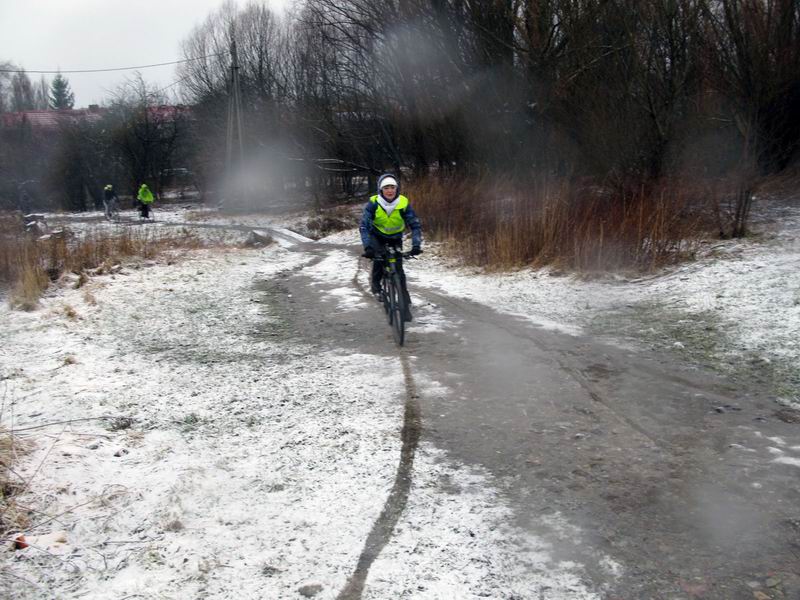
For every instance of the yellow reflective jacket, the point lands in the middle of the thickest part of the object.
(145, 195)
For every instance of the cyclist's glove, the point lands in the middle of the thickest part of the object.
(416, 250)
(369, 252)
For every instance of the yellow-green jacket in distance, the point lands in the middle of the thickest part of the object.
(145, 195)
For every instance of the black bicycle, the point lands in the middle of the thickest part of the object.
(391, 292)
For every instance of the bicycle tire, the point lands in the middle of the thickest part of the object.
(398, 310)
(391, 299)
(385, 295)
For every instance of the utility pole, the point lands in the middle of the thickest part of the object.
(234, 143)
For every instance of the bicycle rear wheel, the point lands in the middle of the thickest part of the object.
(398, 310)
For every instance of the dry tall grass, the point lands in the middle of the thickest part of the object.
(11, 516)
(28, 264)
(332, 220)
(580, 227)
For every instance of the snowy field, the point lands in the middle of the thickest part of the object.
(183, 444)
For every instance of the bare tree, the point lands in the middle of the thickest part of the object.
(41, 94)
(22, 97)
(144, 133)
(754, 47)
(615, 89)
(5, 78)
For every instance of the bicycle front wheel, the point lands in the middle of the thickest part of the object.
(398, 311)
(386, 298)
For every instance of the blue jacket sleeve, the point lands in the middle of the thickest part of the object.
(412, 220)
(366, 223)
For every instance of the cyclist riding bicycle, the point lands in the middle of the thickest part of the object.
(110, 201)
(385, 218)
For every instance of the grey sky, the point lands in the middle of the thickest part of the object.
(98, 34)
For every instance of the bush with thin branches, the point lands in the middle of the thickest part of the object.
(578, 226)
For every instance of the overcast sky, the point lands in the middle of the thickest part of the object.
(98, 34)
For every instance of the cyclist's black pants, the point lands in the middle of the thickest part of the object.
(377, 244)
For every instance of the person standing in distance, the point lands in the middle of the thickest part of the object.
(109, 201)
(386, 216)
(145, 198)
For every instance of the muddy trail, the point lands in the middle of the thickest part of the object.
(668, 470)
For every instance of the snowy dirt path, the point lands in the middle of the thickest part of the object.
(445, 530)
(654, 476)
(269, 440)
(217, 451)
(229, 463)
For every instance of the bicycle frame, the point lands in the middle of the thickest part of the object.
(391, 295)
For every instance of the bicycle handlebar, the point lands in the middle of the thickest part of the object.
(394, 252)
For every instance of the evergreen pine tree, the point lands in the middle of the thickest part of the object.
(61, 95)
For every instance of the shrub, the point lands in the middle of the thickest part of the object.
(576, 225)
(11, 516)
(28, 264)
(331, 221)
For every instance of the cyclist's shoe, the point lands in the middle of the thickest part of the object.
(408, 317)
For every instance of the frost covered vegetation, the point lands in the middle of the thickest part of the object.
(28, 264)
(138, 487)
(183, 425)
(11, 516)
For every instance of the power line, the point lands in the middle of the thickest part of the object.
(174, 83)
(175, 62)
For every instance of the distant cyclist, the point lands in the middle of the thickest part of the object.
(385, 218)
(110, 201)
(145, 197)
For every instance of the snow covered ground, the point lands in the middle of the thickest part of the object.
(186, 446)
(736, 309)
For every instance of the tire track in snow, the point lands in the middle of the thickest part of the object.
(381, 532)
